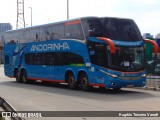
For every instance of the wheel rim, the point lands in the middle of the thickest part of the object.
(71, 79)
(24, 77)
(84, 82)
(17, 77)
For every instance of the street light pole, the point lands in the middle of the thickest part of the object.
(31, 15)
(67, 9)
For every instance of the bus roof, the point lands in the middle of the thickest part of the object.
(60, 22)
(47, 24)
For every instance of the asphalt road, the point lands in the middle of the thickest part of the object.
(49, 97)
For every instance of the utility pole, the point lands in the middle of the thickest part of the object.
(31, 15)
(20, 14)
(67, 9)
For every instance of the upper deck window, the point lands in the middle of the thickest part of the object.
(73, 30)
(52, 32)
(92, 27)
(34, 35)
(121, 29)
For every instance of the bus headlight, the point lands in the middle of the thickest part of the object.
(144, 75)
(113, 75)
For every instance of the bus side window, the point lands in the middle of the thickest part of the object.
(30, 58)
(47, 31)
(23, 36)
(47, 34)
(39, 60)
(51, 60)
(34, 35)
(37, 34)
(15, 37)
(59, 31)
(48, 59)
(41, 34)
(37, 37)
(53, 32)
(73, 31)
(8, 38)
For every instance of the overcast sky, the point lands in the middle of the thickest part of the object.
(146, 13)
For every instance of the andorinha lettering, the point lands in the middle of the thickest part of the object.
(46, 47)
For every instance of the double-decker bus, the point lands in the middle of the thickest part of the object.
(85, 52)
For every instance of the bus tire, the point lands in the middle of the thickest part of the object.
(18, 79)
(72, 84)
(116, 89)
(24, 77)
(84, 83)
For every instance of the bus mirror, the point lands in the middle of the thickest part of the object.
(110, 43)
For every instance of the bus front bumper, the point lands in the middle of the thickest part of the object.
(119, 82)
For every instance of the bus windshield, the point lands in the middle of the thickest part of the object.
(112, 28)
(92, 27)
(127, 59)
(121, 29)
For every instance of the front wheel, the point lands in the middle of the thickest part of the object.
(84, 83)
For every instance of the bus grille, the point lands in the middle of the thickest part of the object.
(130, 78)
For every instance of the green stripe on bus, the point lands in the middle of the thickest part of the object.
(76, 64)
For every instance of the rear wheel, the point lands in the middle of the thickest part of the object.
(72, 84)
(84, 83)
(18, 79)
(24, 77)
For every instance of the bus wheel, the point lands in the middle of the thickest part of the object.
(24, 77)
(18, 79)
(72, 84)
(84, 83)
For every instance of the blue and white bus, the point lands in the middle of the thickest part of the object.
(85, 52)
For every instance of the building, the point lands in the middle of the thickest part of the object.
(157, 36)
(147, 35)
(3, 28)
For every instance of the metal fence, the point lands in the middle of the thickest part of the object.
(153, 82)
